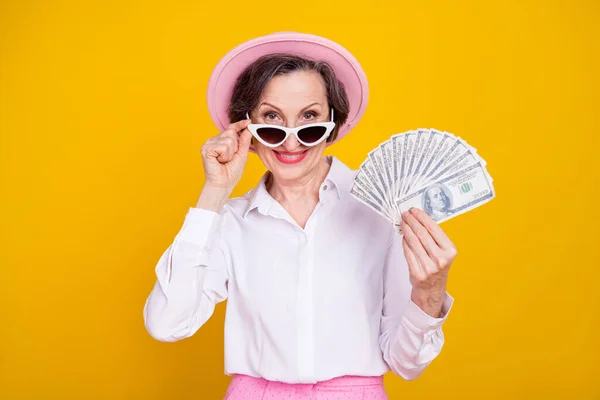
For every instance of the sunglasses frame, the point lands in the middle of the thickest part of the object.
(253, 128)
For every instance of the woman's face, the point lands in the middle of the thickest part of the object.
(291, 100)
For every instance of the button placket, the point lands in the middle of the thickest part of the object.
(305, 308)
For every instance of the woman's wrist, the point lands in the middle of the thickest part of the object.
(213, 198)
(430, 301)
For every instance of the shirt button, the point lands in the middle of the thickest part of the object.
(324, 187)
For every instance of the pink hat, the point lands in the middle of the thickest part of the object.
(346, 68)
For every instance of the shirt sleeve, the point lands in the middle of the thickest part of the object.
(191, 277)
(410, 339)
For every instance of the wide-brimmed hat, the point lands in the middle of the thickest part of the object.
(345, 66)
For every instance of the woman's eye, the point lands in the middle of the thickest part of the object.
(270, 116)
(309, 115)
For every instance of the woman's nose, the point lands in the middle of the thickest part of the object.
(291, 143)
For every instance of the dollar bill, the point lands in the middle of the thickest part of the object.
(396, 155)
(364, 198)
(409, 142)
(386, 160)
(453, 195)
(367, 169)
(363, 181)
(445, 142)
(378, 166)
(434, 140)
(423, 145)
(457, 149)
(461, 162)
(424, 168)
(412, 159)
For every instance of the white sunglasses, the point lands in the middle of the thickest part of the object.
(275, 135)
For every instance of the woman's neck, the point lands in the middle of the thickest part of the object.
(290, 192)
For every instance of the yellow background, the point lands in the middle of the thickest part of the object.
(102, 115)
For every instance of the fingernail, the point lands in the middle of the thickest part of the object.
(413, 210)
(405, 214)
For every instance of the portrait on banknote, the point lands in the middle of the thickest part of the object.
(437, 201)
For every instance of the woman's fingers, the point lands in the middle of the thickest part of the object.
(434, 229)
(239, 125)
(233, 130)
(417, 247)
(239, 133)
(222, 148)
(422, 234)
(244, 142)
(441, 257)
(232, 145)
(413, 264)
(222, 152)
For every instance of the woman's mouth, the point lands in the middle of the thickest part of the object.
(290, 158)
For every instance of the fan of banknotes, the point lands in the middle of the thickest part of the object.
(427, 169)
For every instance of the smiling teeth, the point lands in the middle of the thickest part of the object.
(291, 156)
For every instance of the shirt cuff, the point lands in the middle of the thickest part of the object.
(198, 226)
(423, 321)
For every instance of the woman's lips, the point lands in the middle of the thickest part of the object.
(290, 158)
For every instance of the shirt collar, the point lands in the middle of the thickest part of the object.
(339, 177)
(259, 195)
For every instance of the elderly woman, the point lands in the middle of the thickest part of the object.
(324, 295)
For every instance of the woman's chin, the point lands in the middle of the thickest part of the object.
(289, 172)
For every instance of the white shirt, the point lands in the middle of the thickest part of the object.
(304, 305)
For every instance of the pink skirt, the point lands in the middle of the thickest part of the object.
(243, 387)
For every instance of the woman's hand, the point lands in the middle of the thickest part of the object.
(224, 157)
(429, 253)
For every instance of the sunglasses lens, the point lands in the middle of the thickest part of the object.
(312, 134)
(271, 135)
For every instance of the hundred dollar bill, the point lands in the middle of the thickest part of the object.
(453, 195)
(434, 140)
(412, 159)
(386, 155)
(423, 143)
(362, 180)
(461, 162)
(413, 149)
(396, 158)
(409, 142)
(457, 149)
(367, 169)
(377, 162)
(444, 143)
(364, 198)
